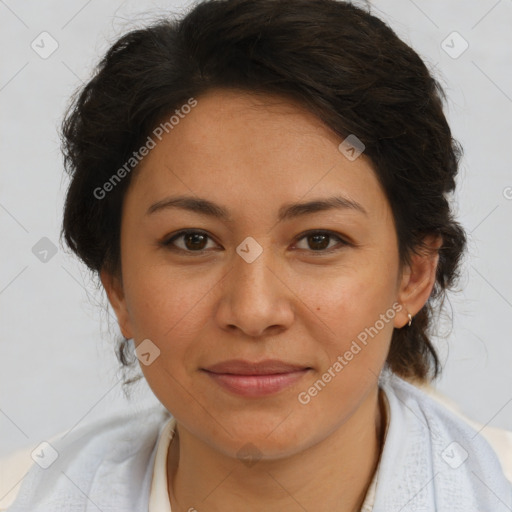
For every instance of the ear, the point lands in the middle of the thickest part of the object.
(114, 288)
(418, 279)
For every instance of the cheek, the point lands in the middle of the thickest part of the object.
(171, 311)
(166, 301)
(174, 310)
(357, 310)
(161, 298)
(357, 316)
(353, 298)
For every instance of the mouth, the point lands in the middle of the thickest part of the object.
(255, 379)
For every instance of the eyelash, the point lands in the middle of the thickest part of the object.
(168, 242)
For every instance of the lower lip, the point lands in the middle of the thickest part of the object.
(256, 385)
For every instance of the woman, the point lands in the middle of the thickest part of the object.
(263, 190)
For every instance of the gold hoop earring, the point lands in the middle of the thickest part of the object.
(410, 319)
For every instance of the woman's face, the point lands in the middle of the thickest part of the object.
(314, 287)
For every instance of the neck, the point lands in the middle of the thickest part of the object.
(332, 475)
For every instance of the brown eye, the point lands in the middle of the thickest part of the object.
(195, 241)
(320, 240)
(192, 241)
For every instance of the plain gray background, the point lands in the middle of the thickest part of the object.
(58, 369)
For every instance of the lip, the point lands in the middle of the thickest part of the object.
(243, 367)
(255, 379)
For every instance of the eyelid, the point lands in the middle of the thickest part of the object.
(342, 241)
(168, 240)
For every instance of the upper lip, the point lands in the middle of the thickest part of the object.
(266, 367)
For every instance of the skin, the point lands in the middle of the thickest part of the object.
(252, 154)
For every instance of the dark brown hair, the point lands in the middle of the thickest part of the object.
(342, 63)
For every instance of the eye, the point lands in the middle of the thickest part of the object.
(193, 241)
(318, 241)
(196, 241)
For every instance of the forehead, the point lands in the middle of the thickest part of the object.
(243, 149)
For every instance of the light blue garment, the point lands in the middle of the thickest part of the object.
(104, 466)
(431, 461)
(434, 461)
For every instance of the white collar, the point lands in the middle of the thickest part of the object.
(159, 494)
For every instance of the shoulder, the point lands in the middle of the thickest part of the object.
(444, 409)
(441, 412)
(125, 439)
(434, 454)
(499, 439)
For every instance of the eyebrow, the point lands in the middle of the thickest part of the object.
(286, 212)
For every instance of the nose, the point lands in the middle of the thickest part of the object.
(256, 298)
